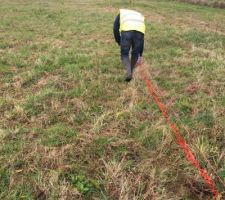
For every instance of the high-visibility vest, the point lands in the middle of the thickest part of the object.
(131, 20)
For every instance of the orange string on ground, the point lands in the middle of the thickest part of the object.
(179, 140)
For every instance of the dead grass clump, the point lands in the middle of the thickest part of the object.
(198, 189)
(58, 44)
(123, 185)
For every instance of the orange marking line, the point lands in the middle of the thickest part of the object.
(179, 140)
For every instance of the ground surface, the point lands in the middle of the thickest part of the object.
(215, 3)
(71, 128)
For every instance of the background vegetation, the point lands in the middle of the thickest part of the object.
(213, 3)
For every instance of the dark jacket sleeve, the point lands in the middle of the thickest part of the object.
(142, 47)
(116, 29)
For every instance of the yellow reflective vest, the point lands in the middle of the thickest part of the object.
(131, 20)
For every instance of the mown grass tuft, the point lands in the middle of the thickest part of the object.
(39, 103)
(57, 135)
(153, 141)
(22, 192)
(204, 38)
(4, 181)
(205, 118)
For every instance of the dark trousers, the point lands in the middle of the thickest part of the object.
(131, 40)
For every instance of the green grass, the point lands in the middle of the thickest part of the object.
(57, 135)
(216, 3)
(71, 128)
(4, 175)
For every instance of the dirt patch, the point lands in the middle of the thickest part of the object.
(59, 44)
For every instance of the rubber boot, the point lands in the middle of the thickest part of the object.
(126, 63)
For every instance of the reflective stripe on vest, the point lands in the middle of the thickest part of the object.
(131, 20)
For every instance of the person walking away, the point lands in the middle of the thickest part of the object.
(129, 31)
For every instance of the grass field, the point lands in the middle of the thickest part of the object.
(214, 3)
(71, 128)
